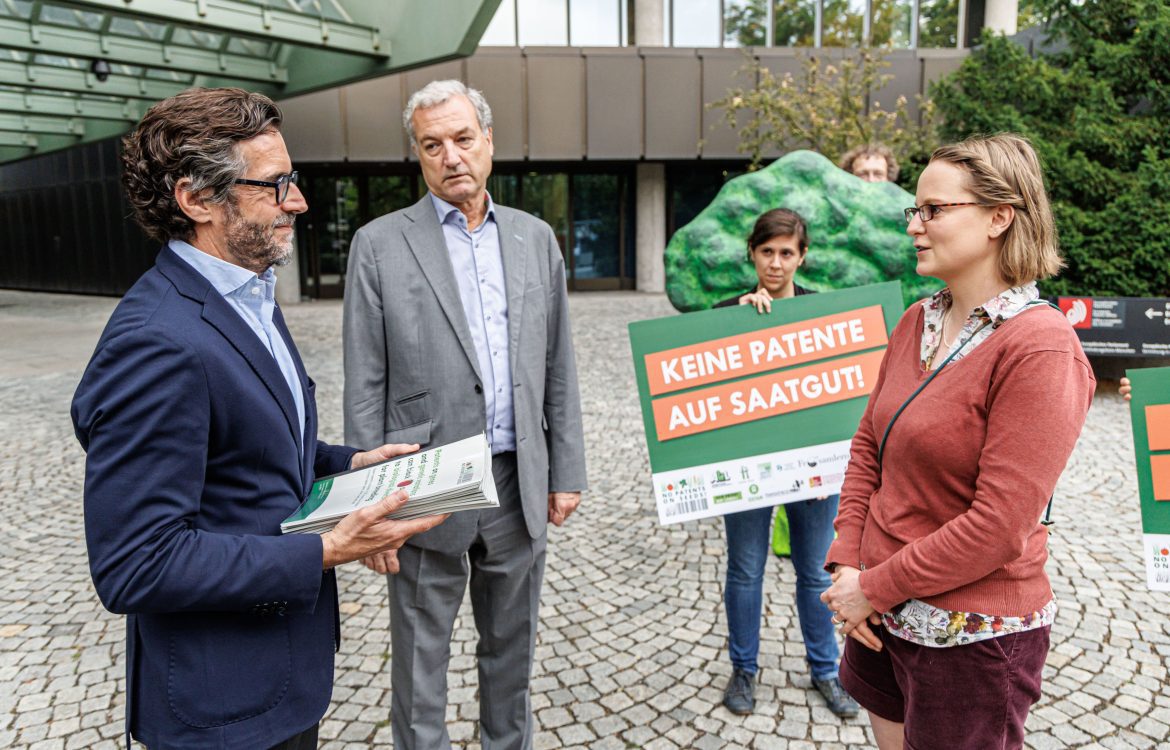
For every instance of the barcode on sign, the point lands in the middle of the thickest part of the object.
(685, 506)
(465, 471)
(1162, 576)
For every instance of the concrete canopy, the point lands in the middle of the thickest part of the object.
(73, 71)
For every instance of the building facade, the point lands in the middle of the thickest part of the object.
(602, 128)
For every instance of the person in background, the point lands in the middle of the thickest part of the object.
(872, 162)
(777, 247)
(938, 568)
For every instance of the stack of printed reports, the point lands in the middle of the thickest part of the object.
(445, 479)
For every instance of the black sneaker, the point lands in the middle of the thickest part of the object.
(739, 697)
(839, 701)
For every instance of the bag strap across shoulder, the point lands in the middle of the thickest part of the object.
(934, 373)
(1047, 520)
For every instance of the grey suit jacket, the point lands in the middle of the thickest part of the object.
(411, 372)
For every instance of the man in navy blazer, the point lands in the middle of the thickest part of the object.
(200, 429)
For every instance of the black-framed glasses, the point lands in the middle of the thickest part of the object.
(931, 210)
(281, 186)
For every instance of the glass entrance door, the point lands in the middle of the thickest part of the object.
(329, 226)
(590, 214)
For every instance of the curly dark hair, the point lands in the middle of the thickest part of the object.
(872, 149)
(194, 134)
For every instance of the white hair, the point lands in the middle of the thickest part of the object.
(440, 92)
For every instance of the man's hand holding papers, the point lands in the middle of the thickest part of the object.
(390, 494)
(380, 454)
(370, 530)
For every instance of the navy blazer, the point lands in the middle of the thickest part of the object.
(193, 460)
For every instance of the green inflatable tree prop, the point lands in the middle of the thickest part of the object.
(857, 233)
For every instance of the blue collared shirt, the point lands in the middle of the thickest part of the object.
(479, 271)
(254, 298)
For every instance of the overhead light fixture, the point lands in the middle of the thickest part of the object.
(100, 69)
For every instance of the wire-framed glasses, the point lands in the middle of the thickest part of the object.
(281, 186)
(930, 210)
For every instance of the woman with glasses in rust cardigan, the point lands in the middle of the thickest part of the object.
(938, 568)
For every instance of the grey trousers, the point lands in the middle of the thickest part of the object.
(505, 567)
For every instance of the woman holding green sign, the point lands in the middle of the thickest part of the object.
(938, 569)
(777, 247)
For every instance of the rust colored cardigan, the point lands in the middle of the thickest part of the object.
(952, 516)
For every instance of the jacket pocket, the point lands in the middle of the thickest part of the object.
(416, 433)
(225, 668)
(408, 412)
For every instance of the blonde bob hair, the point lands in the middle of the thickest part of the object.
(1003, 170)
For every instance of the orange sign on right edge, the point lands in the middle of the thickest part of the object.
(1160, 472)
(1158, 427)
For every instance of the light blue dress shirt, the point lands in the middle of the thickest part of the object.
(479, 271)
(254, 298)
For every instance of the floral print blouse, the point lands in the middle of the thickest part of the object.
(927, 625)
(915, 620)
(981, 324)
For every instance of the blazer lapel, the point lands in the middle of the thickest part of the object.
(227, 321)
(514, 253)
(424, 237)
(220, 316)
(310, 425)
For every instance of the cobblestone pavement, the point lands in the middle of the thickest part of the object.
(632, 650)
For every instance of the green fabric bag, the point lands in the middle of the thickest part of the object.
(780, 544)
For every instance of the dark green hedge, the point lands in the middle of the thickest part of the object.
(1099, 115)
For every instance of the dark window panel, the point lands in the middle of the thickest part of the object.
(596, 232)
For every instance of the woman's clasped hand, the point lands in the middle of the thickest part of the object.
(852, 612)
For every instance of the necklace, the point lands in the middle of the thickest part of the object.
(942, 346)
(942, 332)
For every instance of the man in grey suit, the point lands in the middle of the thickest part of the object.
(456, 323)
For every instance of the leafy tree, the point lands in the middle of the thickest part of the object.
(744, 23)
(795, 23)
(1029, 15)
(939, 23)
(890, 23)
(824, 109)
(1098, 114)
(842, 22)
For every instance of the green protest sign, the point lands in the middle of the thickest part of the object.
(1150, 412)
(745, 410)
